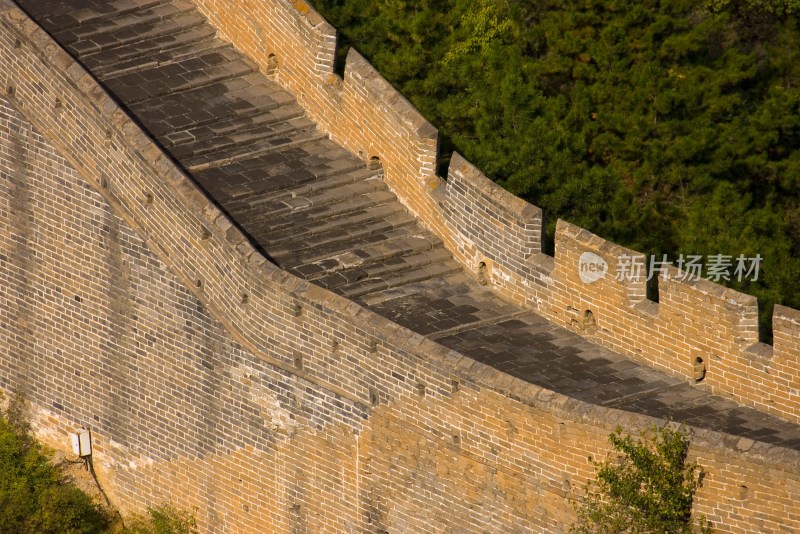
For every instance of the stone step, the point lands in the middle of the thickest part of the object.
(201, 40)
(325, 190)
(258, 138)
(372, 260)
(313, 186)
(230, 99)
(234, 184)
(393, 269)
(227, 126)
(175, 78)
(248, 151)
(376, 222)
(117, 31)
(243, 137)
(142, 50)
(396, 263)
(399, 278)
(287, 206)
(55, 15)
(314, 247)
(443, 293)
(282, 168)
(319, 213)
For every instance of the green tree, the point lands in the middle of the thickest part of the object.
(647, 486)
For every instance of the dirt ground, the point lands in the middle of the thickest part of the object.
(76, 471)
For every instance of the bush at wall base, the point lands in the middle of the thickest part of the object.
(34, 497)
(646, 486)
(37, 498)
(164, 519)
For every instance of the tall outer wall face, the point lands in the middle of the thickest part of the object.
(291, 410)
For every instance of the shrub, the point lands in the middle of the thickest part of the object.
(163, 519)
(37, 498)
(34, 495)
(646, 487)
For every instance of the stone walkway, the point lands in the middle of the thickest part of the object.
(319, 212)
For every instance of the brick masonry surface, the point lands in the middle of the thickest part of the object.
(214, 379)
(324, 215)
(499, 237)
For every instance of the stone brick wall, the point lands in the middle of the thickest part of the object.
(498, 237)
(124, 310)
(494, 231)
(489, 224)
(97, 332)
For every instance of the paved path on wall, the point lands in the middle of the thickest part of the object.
(319, 212)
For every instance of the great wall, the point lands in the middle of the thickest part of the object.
(242, 273)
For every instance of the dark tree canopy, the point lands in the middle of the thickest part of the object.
(671, 127)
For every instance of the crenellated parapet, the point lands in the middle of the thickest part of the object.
(698, 329)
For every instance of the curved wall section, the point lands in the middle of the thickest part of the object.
(490, 231)
(293, 409)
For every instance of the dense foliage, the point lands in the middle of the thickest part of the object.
(34, 497)
(646, 487)
(667, 126)
(37, 498)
